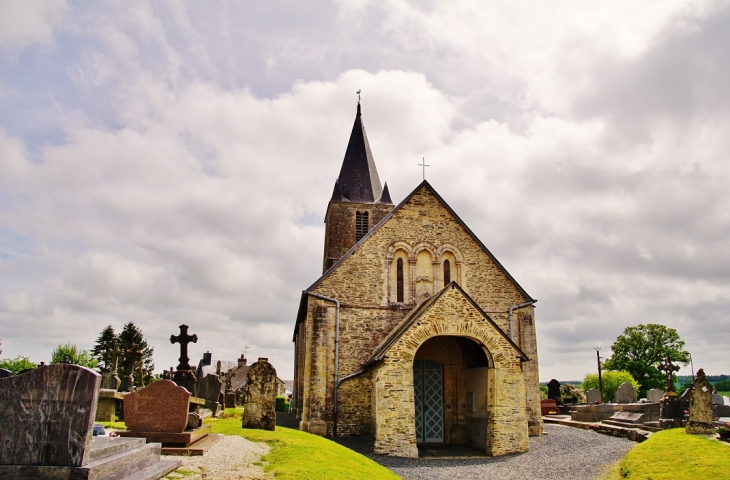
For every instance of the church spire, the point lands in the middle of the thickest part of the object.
(358, 181)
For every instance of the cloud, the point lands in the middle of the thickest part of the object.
(187, 180)
(24, 24)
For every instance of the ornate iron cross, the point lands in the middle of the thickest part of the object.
(183, 339)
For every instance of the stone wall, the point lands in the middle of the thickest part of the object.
(340, 231)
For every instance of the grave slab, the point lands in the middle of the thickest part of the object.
(592, 413)
(107, 405)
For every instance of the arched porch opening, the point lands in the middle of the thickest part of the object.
(450, 388)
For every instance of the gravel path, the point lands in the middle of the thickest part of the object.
(561, 453)
(231, 458)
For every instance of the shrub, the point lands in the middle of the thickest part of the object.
(611, 381)
(281, 404)
(543, 392)
(570, 390)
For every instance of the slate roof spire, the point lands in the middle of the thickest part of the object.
(358, 180)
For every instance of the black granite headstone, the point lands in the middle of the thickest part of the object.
(48, 416)
(5, 373)
(554, 391)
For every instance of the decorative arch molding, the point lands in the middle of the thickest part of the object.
(446, 247)
(399, 246)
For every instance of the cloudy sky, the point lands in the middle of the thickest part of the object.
(166, 162)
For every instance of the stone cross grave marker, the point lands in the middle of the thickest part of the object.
(133, 354)
(654, 395)
(260, 396)
(112, 381)
(700, 407)
(626, 393)
(161, 406)
(668, 368)
(593, 396)
(48, 416)
(554, 391)
(183, 339)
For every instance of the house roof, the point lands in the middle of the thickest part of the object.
(358, 181)
(419, 311)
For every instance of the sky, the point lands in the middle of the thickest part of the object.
(170, 162)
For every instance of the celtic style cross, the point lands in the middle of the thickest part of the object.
(668, 369)
(133, 353)
(183, 339)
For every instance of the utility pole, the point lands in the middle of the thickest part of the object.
(600, 380)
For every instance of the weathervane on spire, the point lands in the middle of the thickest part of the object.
(358, 95)
(424, 165)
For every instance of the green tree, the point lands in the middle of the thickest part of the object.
(641, 348)
(106, 341)
(17, 364)
(75, 356)
(611, 381)
(131, 334)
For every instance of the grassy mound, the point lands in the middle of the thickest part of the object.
(673, 454)
(296, 455)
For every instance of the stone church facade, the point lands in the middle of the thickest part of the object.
(414, 333)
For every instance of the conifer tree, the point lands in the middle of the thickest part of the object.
(131, 334)
(103, 345)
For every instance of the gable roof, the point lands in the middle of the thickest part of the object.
(418, 312)
(423, 184)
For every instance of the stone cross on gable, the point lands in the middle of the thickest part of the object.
(183, 339)
(668, 369)
(228, 376)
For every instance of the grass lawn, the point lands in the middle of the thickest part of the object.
(296, 455)
(673, 454)
(724, 394)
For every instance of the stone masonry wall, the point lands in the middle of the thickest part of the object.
(340, 230)
(393, 412)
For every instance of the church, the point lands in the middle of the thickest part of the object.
(415, 334)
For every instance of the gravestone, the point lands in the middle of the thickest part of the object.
(654, 395)
(48, 416)
(161, 406)
(185, 374)
(700, 407)
(209, 389)
(5, 373)
(626, 393)
(684, 398)
(260, 396)
(47, 426)
(229, 397)
(593, 396)
(554, 391)
(112, 380)
(720, 411)
(726, 400)
(133, 354)
(717, 399)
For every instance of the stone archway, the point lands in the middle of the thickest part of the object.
(450, 384)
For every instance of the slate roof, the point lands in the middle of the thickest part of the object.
(418, 312)
(358, 181)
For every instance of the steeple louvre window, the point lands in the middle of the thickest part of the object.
(447, 272)
(361, 225)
